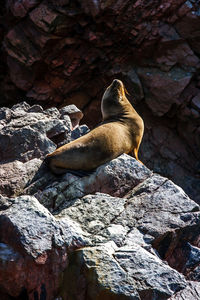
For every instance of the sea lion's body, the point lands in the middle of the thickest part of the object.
(120, 132)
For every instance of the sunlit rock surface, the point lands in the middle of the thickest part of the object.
(120, 232)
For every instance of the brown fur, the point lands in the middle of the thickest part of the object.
(120, 132)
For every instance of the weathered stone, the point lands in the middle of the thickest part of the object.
(154, 273)
(45, 18)
(114, 178)
(79, 131)
(46, 55)
(33, 248)
(179, 53)
(99, 211)
(118, 274)
(188, 27)
(156, 213)
(192, 291)
(20, 8)
(173, 83)
(27, 134)
(13, 145)
(157, 194)
(22, 77)
(194, 274)
(90, 111)
(28, 54)
(166, 152)
(195, 114)
(196, 102)
(16, 175)
(136, 87)
(193, 257)
(37, 246)
(40, 91)
(75, 114)
(173, 50)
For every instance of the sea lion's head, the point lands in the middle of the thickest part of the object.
(114, 100)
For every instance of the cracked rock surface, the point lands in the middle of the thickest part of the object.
(121, 232)
(61, 52)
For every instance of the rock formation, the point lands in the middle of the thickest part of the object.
(63, 52)
(121, 232)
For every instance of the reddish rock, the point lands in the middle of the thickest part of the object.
(44, 17)
(28, 54)
(91, 7)
(29, 262)
(15, 175)
(54, 82)
(93, 108)
(22, 77)
(59, 52)
(41, 91)
(134, 85)
(80, 99)
(164, 88)
(38, 38)
(176, 52)
(196, 102)
(20, 8)
(165, 151)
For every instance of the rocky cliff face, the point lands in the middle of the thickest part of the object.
(63, 52)
(122, 232)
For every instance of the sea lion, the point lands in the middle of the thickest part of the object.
(120, 132)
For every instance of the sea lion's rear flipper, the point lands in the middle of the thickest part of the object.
(50, 162)
(135, 154)
(61, 171)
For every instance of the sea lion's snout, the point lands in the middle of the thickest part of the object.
(117, 83)
(115, 92)
(117, 86)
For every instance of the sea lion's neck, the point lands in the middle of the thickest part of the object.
(121, 117)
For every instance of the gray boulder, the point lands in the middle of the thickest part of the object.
(120, 232)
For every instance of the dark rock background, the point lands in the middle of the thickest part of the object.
(61, 52)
